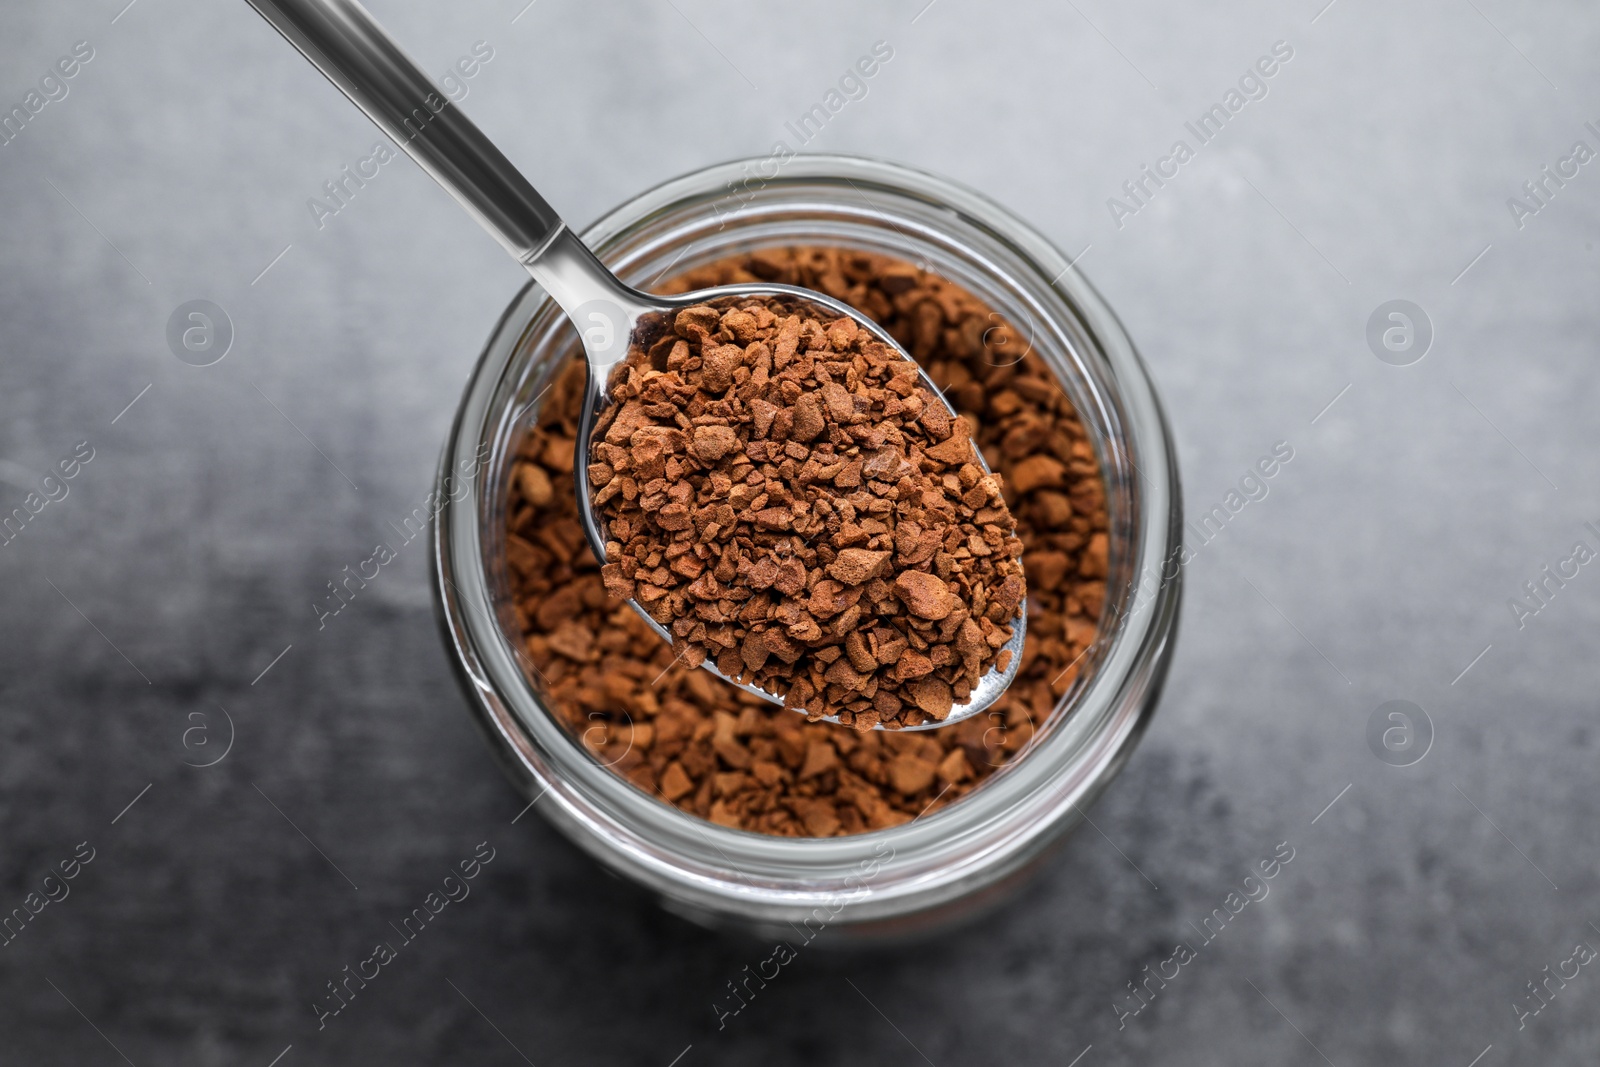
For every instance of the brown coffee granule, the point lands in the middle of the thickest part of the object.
(719, 753)
(784, 495)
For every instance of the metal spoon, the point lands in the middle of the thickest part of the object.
(344, 42)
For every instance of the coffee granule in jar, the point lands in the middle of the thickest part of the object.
(783, 494)
(719, 753)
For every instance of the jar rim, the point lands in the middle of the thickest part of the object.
(965, 846)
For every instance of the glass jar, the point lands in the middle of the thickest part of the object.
(887, 883)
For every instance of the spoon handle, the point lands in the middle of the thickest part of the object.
(346, 43)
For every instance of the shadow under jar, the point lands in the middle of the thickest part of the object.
(882, 884)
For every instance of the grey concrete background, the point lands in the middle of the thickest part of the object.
(188, 551)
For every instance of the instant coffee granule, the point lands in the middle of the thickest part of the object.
(781, 491)
(725, 755)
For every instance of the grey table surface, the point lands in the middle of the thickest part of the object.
(183, 562)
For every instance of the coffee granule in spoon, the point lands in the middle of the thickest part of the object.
(783, 494)
(724, 755)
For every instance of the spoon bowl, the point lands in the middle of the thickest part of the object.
(344, 42)
(607, 326)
